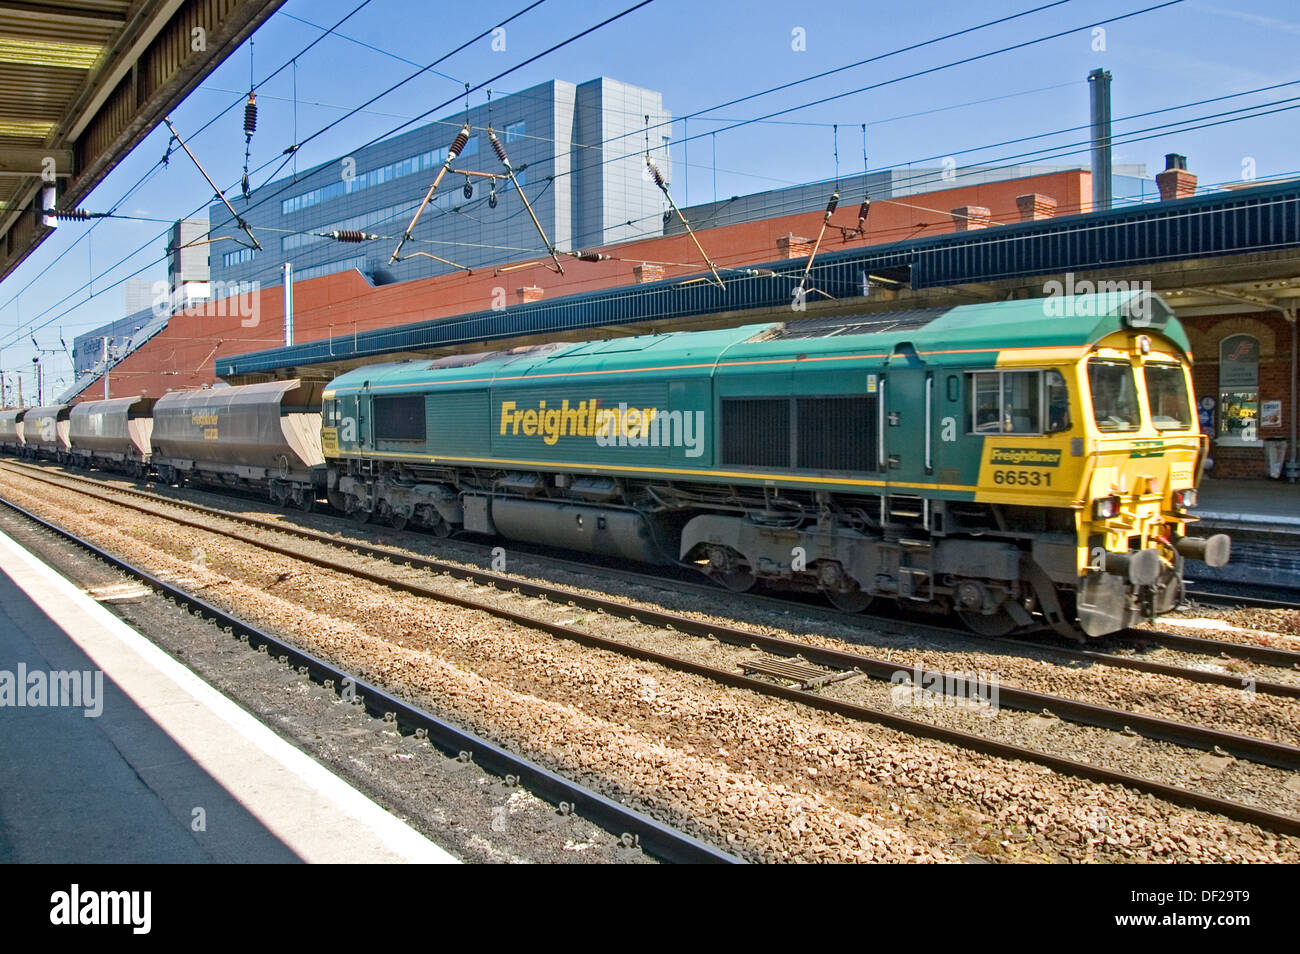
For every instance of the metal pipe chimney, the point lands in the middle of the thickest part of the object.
(1099, 87)
(287, 270)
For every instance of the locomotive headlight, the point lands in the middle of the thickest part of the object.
(1105, 507)
(1184, 499)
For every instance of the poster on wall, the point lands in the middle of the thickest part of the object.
(1270, 414)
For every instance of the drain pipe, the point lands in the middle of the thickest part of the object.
(1293, 465)
(287, 271)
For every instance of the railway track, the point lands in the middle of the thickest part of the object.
(1196, 645)
(1222, 598)
(633, 827)
(806, 665)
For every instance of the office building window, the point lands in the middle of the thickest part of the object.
(238, 257)
(373, 177)
(515, 131)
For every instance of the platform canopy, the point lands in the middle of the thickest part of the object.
(83, 82)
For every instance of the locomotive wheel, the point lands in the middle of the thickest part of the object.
(307, 502)
(441, 529)
(738, 581)
(851, 602)
(398, 521)
(361, 515)
(994, 624)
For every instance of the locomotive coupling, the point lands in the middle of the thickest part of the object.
(1213, 551)
(1141, 567)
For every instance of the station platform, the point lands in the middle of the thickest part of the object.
(142, 761)
(1263, 519)
(1250, 503)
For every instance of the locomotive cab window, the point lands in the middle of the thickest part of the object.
(1012, 402)
(1114, 395)
(1171, 410)
(400, 418)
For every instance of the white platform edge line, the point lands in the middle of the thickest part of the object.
(392, 831)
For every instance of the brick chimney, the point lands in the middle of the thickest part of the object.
(1175, 182)
(970, 217)
(793, 246)
(530, 293)
(646, 272)
(1034, 206)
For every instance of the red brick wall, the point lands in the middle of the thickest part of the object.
(1275, 342)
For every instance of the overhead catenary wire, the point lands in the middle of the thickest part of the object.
(554, 47)
(531, 6)
(291, 153)
(162, 163)
(1118, 141)
(760, 120)
(293, 149)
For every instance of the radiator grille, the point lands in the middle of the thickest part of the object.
(399, 418)
(756, 432)
(830, 433)
(837, 433)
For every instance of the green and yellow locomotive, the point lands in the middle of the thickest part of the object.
(1021, 463)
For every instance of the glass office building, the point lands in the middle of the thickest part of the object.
(581, 151)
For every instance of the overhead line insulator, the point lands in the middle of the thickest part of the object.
(832, 204)
(499, 149)
(250, 114)
(655, 173)
(77, 215)
(349, 235)
(458, 143)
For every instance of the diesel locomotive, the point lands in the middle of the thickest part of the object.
(1021, 463)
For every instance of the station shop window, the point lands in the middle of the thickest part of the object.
(1238, 411)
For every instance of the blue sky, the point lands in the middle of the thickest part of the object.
(699, 55)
